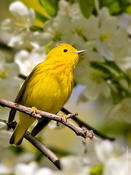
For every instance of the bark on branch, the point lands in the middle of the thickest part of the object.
(83, 124)
(41, 114)
(43, 149)
(40, 146)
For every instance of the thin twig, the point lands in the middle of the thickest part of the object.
(81, 123)
(41, 114)
(40, 146)
(43, 149)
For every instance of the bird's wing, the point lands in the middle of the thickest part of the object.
(40, 125)
(19, 97)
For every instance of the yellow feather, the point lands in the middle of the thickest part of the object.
(48, 87)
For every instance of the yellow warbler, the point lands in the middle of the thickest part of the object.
(47, 88)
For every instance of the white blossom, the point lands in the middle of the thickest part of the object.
(93, 81)
(122, 111)
(75, 165)
(4, 169)
(114, 159)
(8, 82)
(26, 169)
(24, 17)
(111, 36)
(45, 171)
(28, 60)
(4, 138)
(18, 27)
(105, 150)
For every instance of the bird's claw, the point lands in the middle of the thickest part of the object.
(34, 110)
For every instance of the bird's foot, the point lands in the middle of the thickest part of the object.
(34, 110)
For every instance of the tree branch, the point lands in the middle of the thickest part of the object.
(81, 123)
(41, 114)
(41, 147)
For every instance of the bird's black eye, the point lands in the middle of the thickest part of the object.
(65, 50)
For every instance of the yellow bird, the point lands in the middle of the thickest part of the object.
(48, 87)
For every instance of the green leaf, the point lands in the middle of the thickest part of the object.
(16, 150)
(128, 9)
(115, 67)
(48, 48)
(116, 94)
(96, 170)
(116, 128)
(36, 28)
(50, 6)
(115, 8)
(99, 66)
(87, 7)
(111, 71)
(40, 16)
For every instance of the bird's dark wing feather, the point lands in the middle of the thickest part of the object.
(40, 125)
(19, 97)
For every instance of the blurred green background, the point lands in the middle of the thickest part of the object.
(4, 12)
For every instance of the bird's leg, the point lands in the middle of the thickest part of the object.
(34, 110)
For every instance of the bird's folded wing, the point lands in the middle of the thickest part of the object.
(19, 97)
(40, 125)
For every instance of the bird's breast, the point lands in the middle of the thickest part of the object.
(49, 91)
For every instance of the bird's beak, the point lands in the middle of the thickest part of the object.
(79, 51)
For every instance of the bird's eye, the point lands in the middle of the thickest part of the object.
(65, 50)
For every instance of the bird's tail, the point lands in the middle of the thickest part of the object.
(18, 135)
(23, 124)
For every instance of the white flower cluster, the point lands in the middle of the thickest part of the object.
(99, 32)
(107, 159)
(9, 81)
(28, 60)
(102, 36)
(17, 28)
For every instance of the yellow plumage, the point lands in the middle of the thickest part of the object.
(47, 88)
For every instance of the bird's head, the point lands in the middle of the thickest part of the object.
(65, 53)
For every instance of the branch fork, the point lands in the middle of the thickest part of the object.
(38, 114)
